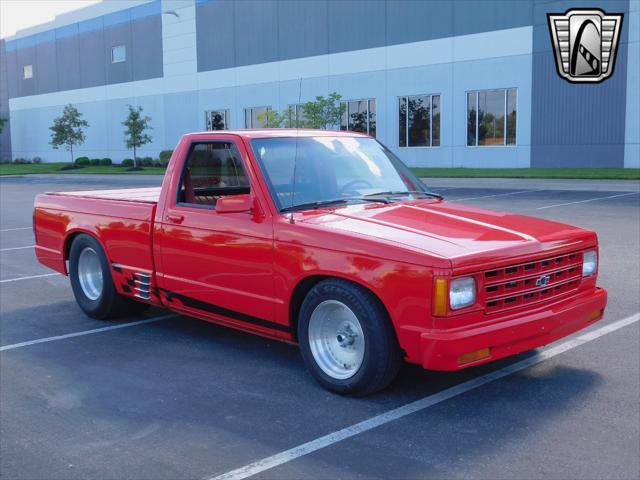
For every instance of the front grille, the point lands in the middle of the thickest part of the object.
(524, 284)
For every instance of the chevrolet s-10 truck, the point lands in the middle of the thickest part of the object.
(324, 239)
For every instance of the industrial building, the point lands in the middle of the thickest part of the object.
(464, 83)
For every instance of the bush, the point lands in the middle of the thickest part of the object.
(37, 160)
(70, 166)
(95, 162)
(165, 156)
(127, 162)
(106, 162)
(83, 161)
(146, 162)
(158, 163)
(21, 161)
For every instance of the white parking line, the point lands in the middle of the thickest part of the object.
(15, 248)
(14, 229)
(422, 404)
(86, 332)
(588, 200)
(28, 278)
(497, 195)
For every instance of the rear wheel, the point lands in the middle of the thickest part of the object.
(92, 283)
(346, 338)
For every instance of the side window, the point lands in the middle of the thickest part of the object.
(212, 170)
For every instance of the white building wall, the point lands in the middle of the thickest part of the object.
(177, 102)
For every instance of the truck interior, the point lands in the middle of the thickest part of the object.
(212, 170)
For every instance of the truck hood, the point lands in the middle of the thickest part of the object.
(464, 235)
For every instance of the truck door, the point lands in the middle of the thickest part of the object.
(214, 264)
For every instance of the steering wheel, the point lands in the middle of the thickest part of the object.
(347, 187)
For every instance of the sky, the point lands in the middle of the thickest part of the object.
(20, 14)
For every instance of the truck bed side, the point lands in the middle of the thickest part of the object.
(121, 221)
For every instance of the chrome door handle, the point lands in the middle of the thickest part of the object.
(174, 218)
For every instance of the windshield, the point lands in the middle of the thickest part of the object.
(331, 169)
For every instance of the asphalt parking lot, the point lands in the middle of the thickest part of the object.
(180, 398)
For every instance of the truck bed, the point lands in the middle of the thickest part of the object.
(121, 219)
(146, 195)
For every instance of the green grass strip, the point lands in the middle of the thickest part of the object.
(567, 173)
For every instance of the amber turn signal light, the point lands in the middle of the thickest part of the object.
(474, 356)
(595, 315)
(440, 297)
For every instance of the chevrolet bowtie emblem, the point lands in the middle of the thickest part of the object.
(543, 280)
(585, 43)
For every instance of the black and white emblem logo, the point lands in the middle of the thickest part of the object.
(585, 43)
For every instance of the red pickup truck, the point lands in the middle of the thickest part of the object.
(327, 240)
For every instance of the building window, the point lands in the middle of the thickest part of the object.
(256, 117)
(118, 54)
(217, 119)
(419, 121)
(296, 115)
(486, 114)
(360, 116)
(27, 71)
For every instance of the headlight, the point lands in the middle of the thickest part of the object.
(462, 292)
(589, 263)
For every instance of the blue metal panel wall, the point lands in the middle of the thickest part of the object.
(92, 58)
(116, 35)
(417, 20)
(79, 55)
(68, 57)
(146, 50)
(5, 136)
(215, 25)
(576, 125)
(301, 28)
(356, 24)
(25, 56)
(244, 32)
(45, 70)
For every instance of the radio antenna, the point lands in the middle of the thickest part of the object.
(295, 156)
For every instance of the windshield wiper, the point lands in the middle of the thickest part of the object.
(327, 203)
(309, 205)
(392, 193)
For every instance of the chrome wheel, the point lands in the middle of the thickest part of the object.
(90, 273)
(336, 339)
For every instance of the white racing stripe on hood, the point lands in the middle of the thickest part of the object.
(476, 222)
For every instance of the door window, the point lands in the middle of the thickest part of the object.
(212, 170)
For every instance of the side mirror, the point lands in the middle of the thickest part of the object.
(234, 204)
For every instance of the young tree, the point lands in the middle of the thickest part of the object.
(135, 134)
(273, 119)
(324, 113)
(2, 122)
(68, 129)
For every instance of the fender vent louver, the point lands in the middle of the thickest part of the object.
(142, 285)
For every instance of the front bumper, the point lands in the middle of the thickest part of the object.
(441, 349)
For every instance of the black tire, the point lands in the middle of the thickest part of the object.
(382, 355)
(109, 304)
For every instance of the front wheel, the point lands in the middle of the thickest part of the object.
(92, 283)
(346, 338)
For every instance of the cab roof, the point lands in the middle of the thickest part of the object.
(278, 133)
